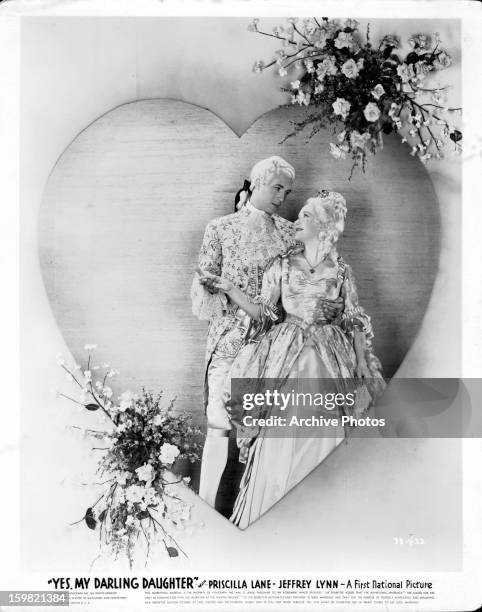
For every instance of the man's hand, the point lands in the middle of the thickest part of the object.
(208, 280)
(209, 284)
(332, 308)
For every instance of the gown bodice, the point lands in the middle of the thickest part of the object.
(302, 291)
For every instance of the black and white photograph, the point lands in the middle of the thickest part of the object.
(247, 300)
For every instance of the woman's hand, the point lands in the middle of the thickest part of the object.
(223, 284)
(362, 370)
(214, 282)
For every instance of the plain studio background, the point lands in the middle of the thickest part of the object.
(76, 70)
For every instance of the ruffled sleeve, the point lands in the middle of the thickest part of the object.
(268, 299)
(354, 317)
(206, 305)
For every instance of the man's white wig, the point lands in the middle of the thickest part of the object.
(265, 169)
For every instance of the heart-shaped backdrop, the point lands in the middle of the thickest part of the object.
(123, 216)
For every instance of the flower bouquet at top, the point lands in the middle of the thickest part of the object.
(142, 443)
(364, 90)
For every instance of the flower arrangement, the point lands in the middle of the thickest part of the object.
(140, 447)
(364, 90)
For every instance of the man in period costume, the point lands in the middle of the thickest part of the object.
(237, 247)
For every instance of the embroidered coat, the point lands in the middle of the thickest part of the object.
(238, 247)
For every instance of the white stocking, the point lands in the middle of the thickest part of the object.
(214, 459)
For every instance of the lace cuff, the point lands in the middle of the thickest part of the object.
(356, 319)
(205, 305)
(268, 314)
(269, 311)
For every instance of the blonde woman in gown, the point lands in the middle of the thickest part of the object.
(294, 340)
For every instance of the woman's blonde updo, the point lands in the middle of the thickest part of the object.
(330, 212)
